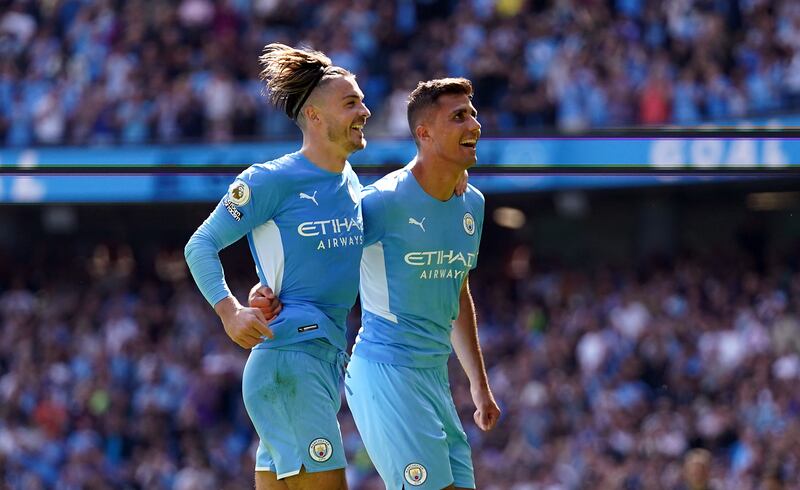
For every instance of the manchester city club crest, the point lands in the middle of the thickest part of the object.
(320, 450)
(415, 474)
(239, 193)
(469, 224)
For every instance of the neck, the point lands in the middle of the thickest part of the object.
(323, 154)
(437, 178)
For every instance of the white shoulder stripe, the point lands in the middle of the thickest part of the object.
(374, 284)
(269, 249)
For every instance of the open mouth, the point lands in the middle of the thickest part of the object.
(358, 128)
(471, 144)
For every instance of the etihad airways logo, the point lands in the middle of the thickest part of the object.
(334, 233)
(441, 264)
(440, 257)
(328, 226)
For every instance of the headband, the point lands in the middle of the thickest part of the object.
(296, 111)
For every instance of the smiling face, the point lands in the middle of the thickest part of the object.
(450, 131)
(341, 112)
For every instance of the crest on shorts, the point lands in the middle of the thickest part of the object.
(239, 193)
(320, 450)
(469, 224)
(415, 474)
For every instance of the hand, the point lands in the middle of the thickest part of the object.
(461, 185)
(487, 413)
(246, 326)
(264, 299)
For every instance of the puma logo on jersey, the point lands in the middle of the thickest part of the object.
(412, 221)
(313, 197)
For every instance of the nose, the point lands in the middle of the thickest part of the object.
(476, 126)
(365, 111)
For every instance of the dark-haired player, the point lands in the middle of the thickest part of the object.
(420, 242)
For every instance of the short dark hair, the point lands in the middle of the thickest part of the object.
(427, 94)
(291, 74)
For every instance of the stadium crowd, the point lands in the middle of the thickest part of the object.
(115, 373)
(129, 72)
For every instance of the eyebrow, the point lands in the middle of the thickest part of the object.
(357, 96)
(459, 110)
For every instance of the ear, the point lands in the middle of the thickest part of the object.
(310, 113)
(422, 132)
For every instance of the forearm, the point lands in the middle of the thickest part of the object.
(202, 252)
(202, 257)
(227, 306)
(466, 344)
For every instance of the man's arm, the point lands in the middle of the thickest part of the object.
(224, 226)
(245, 326)
(465, 342)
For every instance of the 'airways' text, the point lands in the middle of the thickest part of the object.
(340, 242)
(443, 274)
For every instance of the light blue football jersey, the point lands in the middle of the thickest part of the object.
(417, 253)
(305, 230)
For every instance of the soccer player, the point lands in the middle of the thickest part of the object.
(420, 242)
(302, 217)
(425, 240)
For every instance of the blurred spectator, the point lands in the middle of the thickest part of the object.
(116, 374)
(105, 73)
(697, 470)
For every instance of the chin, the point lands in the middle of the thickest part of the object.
(356, 145)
